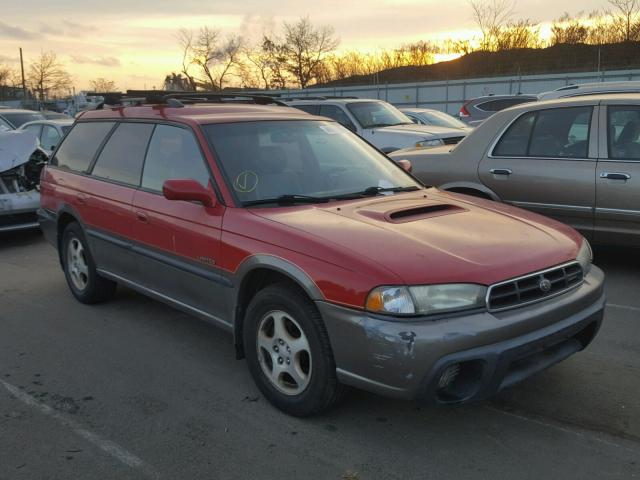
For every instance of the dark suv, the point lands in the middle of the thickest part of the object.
(328, 262)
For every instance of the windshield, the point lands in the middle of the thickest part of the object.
(442, 119)
(4, 126)
(377, 114)
(19, 118)
(321, 160)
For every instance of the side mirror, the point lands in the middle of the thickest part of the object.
(188, 190)
(405, 164)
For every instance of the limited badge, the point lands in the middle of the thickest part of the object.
(246, 182)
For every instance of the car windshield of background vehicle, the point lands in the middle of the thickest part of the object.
(377, 114)
(321, 160)
(18, 119)
(4, 126)
(442, 119)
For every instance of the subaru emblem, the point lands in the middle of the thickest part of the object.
(545, 285)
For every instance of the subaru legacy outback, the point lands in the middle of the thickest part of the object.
(328, 262)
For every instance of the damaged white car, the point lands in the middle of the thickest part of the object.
(21, 161)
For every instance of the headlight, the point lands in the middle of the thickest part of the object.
(426, 299)
(585, 256)
(429, 143)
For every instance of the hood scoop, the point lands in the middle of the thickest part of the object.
(413, 213)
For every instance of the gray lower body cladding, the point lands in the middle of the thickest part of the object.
(463, 358)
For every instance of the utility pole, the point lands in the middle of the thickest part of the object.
(24, 86)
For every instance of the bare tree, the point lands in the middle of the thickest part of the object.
(47, 76)
(267, 60)
(185, 39)
(305, 48)
(569, 30)
(491, 16)
(204, 52)
(103, 85)
(227, 58)
(518, 34)
(627, 17)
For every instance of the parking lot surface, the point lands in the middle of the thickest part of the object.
(134, 389)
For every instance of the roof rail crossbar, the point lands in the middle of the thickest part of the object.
(205, 97)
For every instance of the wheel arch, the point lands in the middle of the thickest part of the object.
(65, 216)
(254, 274)
(470, 188)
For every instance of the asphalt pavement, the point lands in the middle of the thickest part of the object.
(132, 389)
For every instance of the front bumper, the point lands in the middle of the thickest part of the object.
(407, 358)
(18, 211)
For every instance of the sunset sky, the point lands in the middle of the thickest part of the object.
(133, 42)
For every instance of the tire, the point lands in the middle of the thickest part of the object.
(83, 279)
(312, 385)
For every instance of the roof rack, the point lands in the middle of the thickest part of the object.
(324, 97)
(179, 100)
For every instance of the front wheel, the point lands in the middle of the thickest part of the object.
(288, 351)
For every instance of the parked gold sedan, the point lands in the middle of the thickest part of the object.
(576, 160)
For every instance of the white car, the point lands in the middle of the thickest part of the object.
(378, 122)
(21, 161)
(591, 89)
(432, 117)
(48, 132)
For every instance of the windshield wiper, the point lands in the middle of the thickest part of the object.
(287, 200)
(373, 191)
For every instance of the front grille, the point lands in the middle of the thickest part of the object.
(534, 287)
(452, 140)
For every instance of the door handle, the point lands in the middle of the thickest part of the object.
(615, 175)
(81, 198)
(142, 217)
(501, 171)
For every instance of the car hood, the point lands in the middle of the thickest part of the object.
(16, 147)
(432, 236)
(421, 130)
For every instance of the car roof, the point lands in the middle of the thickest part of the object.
(200, 113)
(590, 99)
(419, 109)
(501, 97)
(329, 101)
(62, 122)
(18, 110)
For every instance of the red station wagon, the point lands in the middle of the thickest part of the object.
(328, 262)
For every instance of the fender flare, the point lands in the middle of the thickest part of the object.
(270, 262)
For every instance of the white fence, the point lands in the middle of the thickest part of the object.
(449, 96)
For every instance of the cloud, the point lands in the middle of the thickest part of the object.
(49, 30)
(9, 59)
(104, 61)
(16, 32)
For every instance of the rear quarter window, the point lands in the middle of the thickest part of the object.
(80, 146)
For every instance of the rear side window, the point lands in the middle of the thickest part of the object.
(312, 109)
(497, 105)
(338, 115)
(553, 133)
(80, 146)
(122, 157)
(624, 132)
(173, 154)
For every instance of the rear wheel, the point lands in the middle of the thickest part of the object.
(288, 351)
(80, 269)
